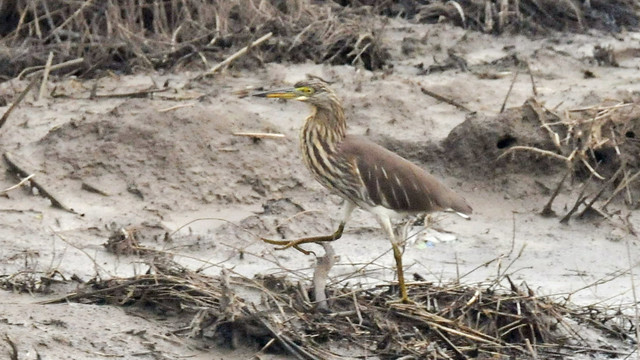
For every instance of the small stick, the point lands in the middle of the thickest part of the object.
(19, 26)
(45, 76)
(18, 169)
(444, 99)
(580, 201)
(547, 211)
(593, 171)
(543, 152)
(40, 68)
(36, 23)
(90, 188)
(235, 56)
(625, 177)
(513, 81)
(600, 192)
(260, 135)
(460, 12)
(533, 81)
(534, 354)
(620, 188)
(450, 344)
(22, 182)
(24, 93)
(135, 94)
(14, 349)
(179, 106)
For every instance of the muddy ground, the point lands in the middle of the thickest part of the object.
(162, 168)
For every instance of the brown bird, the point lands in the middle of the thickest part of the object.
(365, 174)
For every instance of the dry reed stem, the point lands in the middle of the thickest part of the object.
(176, 107)
(536, 150)
(259, 135)
(40, 69)
(45, 77)
(20, 170)
(130, 34)
(21, 183)
(16, 102)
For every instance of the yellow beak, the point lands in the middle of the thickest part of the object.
(280, 94)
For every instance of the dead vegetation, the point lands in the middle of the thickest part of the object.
(600, 146)
(447, 321)
(528, 16)
(124, 35)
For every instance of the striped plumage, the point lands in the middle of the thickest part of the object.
(364, 173)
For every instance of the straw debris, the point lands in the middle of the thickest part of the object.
(124, 35)
(533, 16)
(449, 321)
(599, 145)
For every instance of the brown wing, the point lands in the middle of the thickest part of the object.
(396, 183)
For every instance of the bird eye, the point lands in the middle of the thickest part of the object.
(305, 89)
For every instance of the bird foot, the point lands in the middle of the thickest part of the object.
(285, 244)
(404, 300)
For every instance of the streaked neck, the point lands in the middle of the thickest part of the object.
(327, 124)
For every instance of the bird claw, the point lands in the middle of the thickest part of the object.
(405, 301)
(285, 244)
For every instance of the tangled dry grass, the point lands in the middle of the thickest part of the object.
(124, 35)
(599, 144)
(484, 320)
(534, 16)
(528, 16)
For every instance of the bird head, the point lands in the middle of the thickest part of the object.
(313, 91)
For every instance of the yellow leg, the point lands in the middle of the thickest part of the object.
(397, 254)
(285, 244)
(385, 222)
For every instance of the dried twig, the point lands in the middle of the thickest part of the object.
(579, 201)
(14, 349)
(13, 165)
(506, 98)
(133, 94)
(22, 182)
(604, 186)
(621, 187)
(40, 69)
(175, 107)
(533, 149)
(90, 188)
(547, 211)
(444, 99)
(259, 135)
(17, 101)
(45, 77)
(533, 81)
(234, 56)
